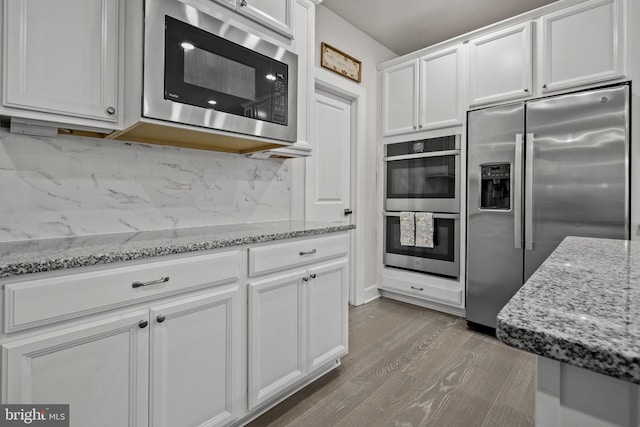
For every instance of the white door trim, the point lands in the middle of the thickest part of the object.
(337, 85)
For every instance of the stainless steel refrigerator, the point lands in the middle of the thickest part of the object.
(539, 171)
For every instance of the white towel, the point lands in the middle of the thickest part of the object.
(407, 229)
(424, 229)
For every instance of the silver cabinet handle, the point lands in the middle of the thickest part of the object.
(311, 252)
(517, 193)
(312, 275)
(137, 284)
(243, 3)
(417, 289)
(544, 86)
(305, 279)
(111, 111)
(161, 318)
(143, 324)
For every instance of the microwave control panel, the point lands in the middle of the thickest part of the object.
(280, 99)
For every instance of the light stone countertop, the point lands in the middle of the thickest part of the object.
(34, 256)
(581, 307)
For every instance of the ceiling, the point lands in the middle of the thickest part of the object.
(410, 25)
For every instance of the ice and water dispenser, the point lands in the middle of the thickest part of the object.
(495, 191)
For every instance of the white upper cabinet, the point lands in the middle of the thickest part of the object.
(276, 14)
(581, 45)
(440, 89)
(61, 58)
(400, 98)
(422, 94)
(501, 65)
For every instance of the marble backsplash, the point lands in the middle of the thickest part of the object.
(75, 186)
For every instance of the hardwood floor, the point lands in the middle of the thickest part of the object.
(409, 366)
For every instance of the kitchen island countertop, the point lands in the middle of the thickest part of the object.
(34, 256)
(581, 307)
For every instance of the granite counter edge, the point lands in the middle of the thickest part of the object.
(40, 266)
(541, 343)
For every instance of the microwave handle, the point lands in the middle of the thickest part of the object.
(423, 155)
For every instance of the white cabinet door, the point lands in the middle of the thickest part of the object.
(440, 95)
(399, 98)
(582, 44)
(61, 57)
(195, 361)
(276, 340)
(99, 369)
(500, 65)
(276, 14)
(327, 296)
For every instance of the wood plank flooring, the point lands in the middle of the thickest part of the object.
(409, 366)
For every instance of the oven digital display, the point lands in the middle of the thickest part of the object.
(418, 147)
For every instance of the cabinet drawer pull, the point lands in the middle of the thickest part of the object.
(417, 289)
(143, 324)
(313, 275)
(137, 284)
(305, 279)
(311, 252)
(161, 318)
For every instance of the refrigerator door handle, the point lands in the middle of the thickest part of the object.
(528, 194)
(517, 193)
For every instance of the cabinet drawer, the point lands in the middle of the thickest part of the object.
(426, 291)
(42, 301)
(266, 259)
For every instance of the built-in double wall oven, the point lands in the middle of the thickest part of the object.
(423, 176)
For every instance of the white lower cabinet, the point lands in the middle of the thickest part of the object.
(100, 369)
(172, 360)
(276, 341)
(327, 313)
(297, 325)
(195, 361)
(176, 363)
(170, 343)
(298, 318)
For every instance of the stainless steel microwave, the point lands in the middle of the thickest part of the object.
(201, 71)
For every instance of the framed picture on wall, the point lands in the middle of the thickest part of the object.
(340, 62)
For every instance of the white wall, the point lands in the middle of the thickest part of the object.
(71, 186)
(332, 29)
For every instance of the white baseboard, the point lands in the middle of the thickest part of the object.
(460, 312)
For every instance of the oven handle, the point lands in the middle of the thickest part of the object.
(423, 155)
(435, 215)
